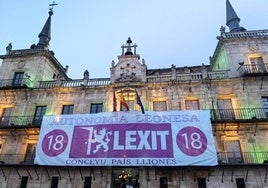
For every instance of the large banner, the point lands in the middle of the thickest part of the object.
(170, 138)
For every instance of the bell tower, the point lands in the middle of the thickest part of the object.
(129, 68)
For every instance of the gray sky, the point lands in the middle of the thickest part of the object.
(89, 34)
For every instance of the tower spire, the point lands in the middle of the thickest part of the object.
(232, 20)
(45, 36)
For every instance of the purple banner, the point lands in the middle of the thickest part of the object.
(117, 141)
(175, 138)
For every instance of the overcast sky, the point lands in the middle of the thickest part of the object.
(89, 34)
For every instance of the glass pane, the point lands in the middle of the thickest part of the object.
(234, 151)
(40, 111)
(18, 77)
(265, 104)
(68, 109)
(6, 116)
(96, 108)
(192, 104)
(159, 106)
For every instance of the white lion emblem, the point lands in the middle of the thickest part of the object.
(102, 137)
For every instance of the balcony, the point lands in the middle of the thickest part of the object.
(16, 121)
(217, 115)
(225, 158)
(17, 159)
(180, 77)
(240, 114)
(9, 83)
(254, 70)
(75, 83)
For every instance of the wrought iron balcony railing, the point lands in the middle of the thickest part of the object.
(224, 158)
(243, 157)
(239, 114)
(216, 115)
(7, 121)
(17, 159)
(9, 83)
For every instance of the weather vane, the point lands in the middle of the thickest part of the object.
(52, 5)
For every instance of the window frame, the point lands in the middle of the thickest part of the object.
(192, 104)
(41, 110)
(96, 108)
(69, 110)
(160, 105)
(18, 79)
(256, 64)
(24, 181)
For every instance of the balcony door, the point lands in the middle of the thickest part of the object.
(39, 113)
(257, 65)
(125, 177)
(18, 78)
(30, 153)
(265, 105)
(226, 111)
(6, 117)
(233, 150)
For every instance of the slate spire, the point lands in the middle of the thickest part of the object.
(45, 36)
(232, 20)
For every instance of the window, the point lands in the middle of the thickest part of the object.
(6, 116)
(163, 182)
(226, 111)
(159, 106)
(257, 65)
(39, 114)
(201, 182)
(30, 154)
(129, 103)
(67, 109)
(265, 105)
(54, 182)
(192, 104)
(18, 78)
(87, 182)
(240, 183)
(24, 181)
(233, 150)
(96, 108)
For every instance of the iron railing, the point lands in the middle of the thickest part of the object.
(239, 114)
(7, 121)
(224, 158)
(243, 157)
(9, 83)
(216, 115)
(17, 159)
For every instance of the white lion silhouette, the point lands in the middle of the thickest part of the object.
(102, 137)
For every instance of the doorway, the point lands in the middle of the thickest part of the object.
(125, 178)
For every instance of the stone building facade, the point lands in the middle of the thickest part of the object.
(233, 88)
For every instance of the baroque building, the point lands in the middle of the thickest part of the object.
(232, 89)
